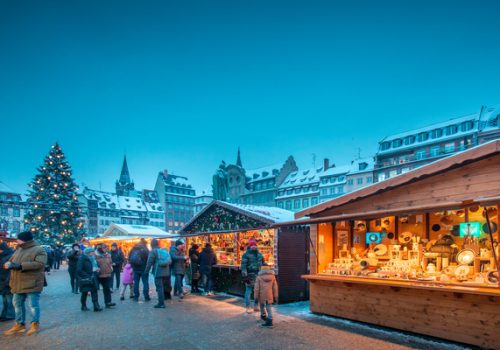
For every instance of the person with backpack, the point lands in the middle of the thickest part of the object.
(138, 258)
(251, 262)
(207, 260)
(159, 264)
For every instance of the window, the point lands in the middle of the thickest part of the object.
(289, 192)
(16, 212)
(324, 180)
(436, 133)
(423, 136)
(405, 170)
(340, 189)
(449, 147)
(393, 173)
(409, 140)
(297, 191)
(332, 180)
(359, 181)
(280, 204)
(341, 178)
(350, 182)
(257, 186)
(397, 143)
(450, 130)
(315, 188)
(420, 154)
(324, 191)
(296, 204)
(281, 193)
(435, 151)
(381, 177)
(305, 202)
(288, 205)
(385, 146)
(332, 190)
(314, 200)
(369, 179)
(466, 126)
(3, 211)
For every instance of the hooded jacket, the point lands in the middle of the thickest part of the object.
(105, 264)
(207, 260)
(266, 287)
(156, 270)
(32, 258)
(128, 275)
(178, 261)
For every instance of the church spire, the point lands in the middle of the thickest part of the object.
(238, 161)
(124, 175)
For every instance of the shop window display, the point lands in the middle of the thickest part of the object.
(446, 247)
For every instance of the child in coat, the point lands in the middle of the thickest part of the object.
(266, 292)
(128, 281)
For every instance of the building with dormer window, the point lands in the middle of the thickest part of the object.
(405, 151)
(12, 208)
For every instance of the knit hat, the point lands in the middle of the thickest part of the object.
(179, 242)
(114, 244)
(252, 243)
(3, 246)
(25, 236)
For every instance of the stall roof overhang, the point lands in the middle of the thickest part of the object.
(472, 155)
(267, 215)
(119, 230)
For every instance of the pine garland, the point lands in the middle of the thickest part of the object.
(55, 214)
(220, 219)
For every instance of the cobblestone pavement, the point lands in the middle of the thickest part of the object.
(195, 323)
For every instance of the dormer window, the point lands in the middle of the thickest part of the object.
(423, 136)
(450, 130)
(466, 126)
(397, 143)
(436, 133)
(409, 140)
(385, 146)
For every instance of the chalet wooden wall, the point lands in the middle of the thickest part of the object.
(481, 178)
(467, 318)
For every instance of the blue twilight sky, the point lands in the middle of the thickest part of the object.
(181, 84)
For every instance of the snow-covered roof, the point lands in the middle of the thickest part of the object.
(263, 173)
(131, 203)
(440, 125)
(269, 213)
(355, 166)
(135, 231)
(489, 119)
(336, 170)
(176, 180)
(108, 200)
(302, 177)
(154, 207)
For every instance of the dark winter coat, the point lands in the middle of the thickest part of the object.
(73, 256)
(178, 261)
(157, 271)
(50, 257)
(117, 258)
(251, 262)
(144, 253)
(4, 273)
(31, 277)
(194, 257)
(85, 271)
(207, 260)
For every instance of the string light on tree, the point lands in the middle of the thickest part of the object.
(55, 211)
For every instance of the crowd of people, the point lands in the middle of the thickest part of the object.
(22, 276)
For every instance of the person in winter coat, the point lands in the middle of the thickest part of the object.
(178, 266)
(195, 268)
(57, 258)
(7, 306)
(127, 281)
(73, 256)
(138, 258)
(266, 292)
(27, 278)
(50, 259)
(87, 271)
(207, 260)
(118, 259)
(105, 269)
(159, 264)
(251, 262)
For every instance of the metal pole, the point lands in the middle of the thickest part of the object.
(492, 243)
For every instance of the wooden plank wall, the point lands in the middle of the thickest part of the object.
(481, 178)
(467, 318)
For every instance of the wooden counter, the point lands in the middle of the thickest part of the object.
(464, 314)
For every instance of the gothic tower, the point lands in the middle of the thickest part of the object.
(124, 185)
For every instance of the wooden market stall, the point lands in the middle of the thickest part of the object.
(126, 236)
(228, 228)
(418, 252)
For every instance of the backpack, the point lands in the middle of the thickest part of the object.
(163, 258)
(136, 258)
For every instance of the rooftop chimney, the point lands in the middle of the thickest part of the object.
(326, 163)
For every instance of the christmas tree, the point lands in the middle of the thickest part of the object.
(54, 216)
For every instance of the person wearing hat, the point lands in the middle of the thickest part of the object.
(73, 256)
(7, 308)
(88, 270)
(251, 262)
(266, 292)
(179, 258)
(27, 277)
(117, 259)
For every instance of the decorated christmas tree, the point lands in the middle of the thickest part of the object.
(54, 215)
